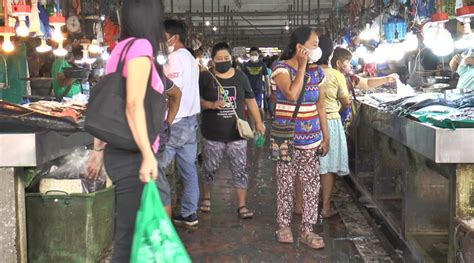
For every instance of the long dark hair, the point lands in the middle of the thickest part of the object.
(299, 36)
(143, 19)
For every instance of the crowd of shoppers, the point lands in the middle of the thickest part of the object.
(208, 101)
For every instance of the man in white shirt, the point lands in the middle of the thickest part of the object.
(183, 70)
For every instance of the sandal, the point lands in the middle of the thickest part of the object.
(244, 215)
(284, 235)
(312, 240)
(204, 207)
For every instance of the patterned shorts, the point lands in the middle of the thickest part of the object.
(235, 151)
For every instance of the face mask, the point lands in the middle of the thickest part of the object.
(314, 55)
(223, 67)
(254, 58)
(346, 69)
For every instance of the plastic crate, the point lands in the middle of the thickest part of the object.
(69, 227)
(395, 29)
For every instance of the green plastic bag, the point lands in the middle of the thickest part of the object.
(155, 239)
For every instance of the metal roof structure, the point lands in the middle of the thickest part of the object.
(251, 22)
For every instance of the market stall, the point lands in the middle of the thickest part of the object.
(418, 176)
(412, 146)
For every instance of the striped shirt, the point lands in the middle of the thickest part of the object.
(307, 127)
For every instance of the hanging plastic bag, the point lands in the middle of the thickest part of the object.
(155, 239)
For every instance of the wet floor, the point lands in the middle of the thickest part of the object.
(222, 237)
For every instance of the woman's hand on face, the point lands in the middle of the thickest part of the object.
(219, 105)
(392, 78)
(95, 164)
(301, 55)
(260, 127)
(148, 169)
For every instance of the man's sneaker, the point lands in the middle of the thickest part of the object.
(191, 220)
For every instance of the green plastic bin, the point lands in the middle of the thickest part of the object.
(69, 227)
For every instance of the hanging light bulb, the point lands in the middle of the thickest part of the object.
(467, 39)
(161, 58)
(429, 31)
(369, 58)
(367, 33)
(361, 51)
(60, 51)
(411, 42)
(57, 21)
(94, 47)
(7, 45)
(443, 43)
(381, 52)
(214, 29)
(57, 35)
(43, 48)
(396, 52)
(208, 23)
(105, 55)
(21, 10)
(22, 30)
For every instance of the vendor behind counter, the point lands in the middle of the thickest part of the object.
(59, 81)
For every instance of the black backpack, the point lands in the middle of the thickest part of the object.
(105, 115)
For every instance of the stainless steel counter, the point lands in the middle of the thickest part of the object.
(34, 149)
(437, 144)
(418, 177)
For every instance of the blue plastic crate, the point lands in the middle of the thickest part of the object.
(394, 27)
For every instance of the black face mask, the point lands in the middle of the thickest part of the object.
(223, 67)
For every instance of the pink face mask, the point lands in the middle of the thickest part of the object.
(346, 69)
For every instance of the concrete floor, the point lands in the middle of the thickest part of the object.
(222, 237)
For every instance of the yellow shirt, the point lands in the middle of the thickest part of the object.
(335, 88)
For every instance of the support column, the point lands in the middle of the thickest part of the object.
(12, 218)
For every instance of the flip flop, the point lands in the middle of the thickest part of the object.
(244, 215)
(205, 208)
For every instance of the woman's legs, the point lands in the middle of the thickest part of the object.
(298, 197)
(327, 183)
(212, 153)
(307, 167)
(285, 176)
(237, 154)
(123, 167)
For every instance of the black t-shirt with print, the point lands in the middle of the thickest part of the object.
(220, 125)
(255, 73)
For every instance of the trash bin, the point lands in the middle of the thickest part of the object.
(70, 228)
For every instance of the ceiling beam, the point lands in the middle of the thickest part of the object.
(271, 27)
(254, 13)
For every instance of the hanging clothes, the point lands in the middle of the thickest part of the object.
(34, 17)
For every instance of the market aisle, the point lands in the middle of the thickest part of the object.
(223, 237)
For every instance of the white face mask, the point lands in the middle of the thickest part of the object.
(314, 55)
(170, 49)
(254, 58)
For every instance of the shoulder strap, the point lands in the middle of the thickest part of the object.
(123, 55)
(302, 93)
